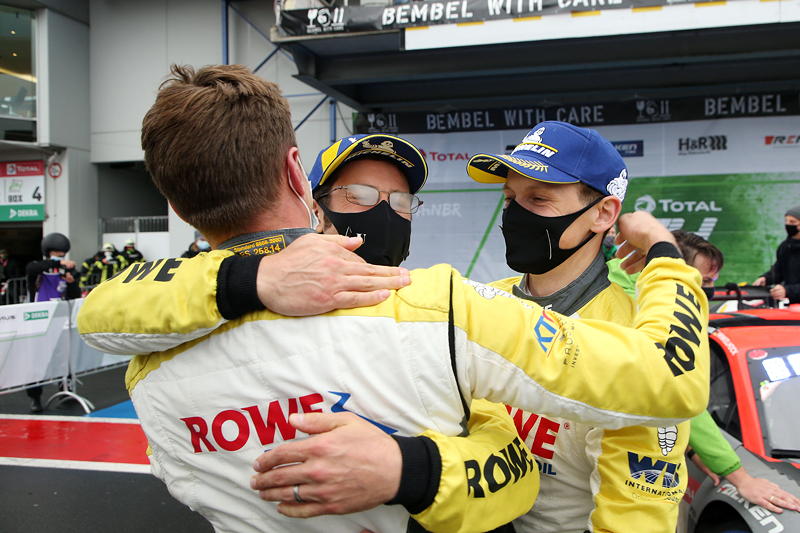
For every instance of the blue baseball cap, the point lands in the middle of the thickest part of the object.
(558, 152)
(402, 153)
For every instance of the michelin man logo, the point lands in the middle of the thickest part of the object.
(645, 203)
(667, 436)
(535, 137)
(619, 185)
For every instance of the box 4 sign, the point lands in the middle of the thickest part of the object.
(22, 186)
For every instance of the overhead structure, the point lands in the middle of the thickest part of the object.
(539, 57)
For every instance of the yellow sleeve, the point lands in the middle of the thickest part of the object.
(153, 306)
(639, 477)
(488, 478)
(590, 371)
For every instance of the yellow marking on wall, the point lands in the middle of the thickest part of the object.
(644, 9)
(414, 28)
(469, 23)
(710, 4)
(585, 13)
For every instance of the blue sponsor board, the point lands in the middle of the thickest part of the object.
(629, 148)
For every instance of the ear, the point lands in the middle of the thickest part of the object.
(294, 171)
(608, 210)
(320, 216)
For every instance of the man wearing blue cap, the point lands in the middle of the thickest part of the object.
(564, 187)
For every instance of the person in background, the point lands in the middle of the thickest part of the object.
(131, 254)
(697, 252)
(108, 263)
(200, 244)
(9, 269)
(784, 275)
(8, 266)
(609, 247)
(86, 267)
(52, 278)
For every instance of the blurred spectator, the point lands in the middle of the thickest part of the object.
(12, 284)
(697, 251)
(9, 268)
(86, 268)
(54, 277)
(108, 263)
(609, 248)
(701, 254)
(132, 255)
(200, 244)
(784, 276)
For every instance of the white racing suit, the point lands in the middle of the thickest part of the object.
(411, 363)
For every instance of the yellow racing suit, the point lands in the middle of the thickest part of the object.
(615, 480)
(501, 349)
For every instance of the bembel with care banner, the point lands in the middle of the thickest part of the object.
(351, 19)
(639, 111)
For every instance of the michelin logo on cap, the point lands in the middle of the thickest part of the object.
(533, 143)
(619, 185)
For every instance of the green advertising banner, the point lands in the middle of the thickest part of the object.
(21, 213)
(742, 214)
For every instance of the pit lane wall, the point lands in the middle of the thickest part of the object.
(39, 343)
(729, 180)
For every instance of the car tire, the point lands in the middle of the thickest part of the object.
(729, 526)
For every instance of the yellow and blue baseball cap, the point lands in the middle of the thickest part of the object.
(558, 152)
(396, 150)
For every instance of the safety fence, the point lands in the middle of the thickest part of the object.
(40, 344)
(14, 291)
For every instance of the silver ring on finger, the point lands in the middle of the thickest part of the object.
(296, 492)
(772, 499)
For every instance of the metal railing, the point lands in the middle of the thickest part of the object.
(14, 291)
(134, 224)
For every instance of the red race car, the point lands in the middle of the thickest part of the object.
(755, 399)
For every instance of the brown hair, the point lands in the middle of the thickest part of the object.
(692, 244)
(589, 194)
(215, 143)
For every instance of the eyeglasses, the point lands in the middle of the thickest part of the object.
(368, 196)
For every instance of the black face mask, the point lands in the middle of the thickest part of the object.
(387, 235)
(709, 292)
(532, 240)
(791, 230)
